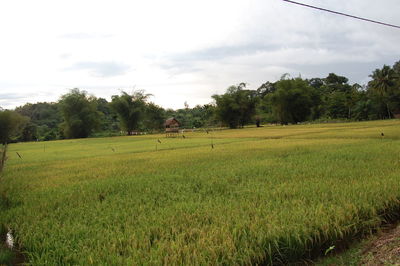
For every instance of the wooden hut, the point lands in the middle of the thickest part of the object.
(171, 127)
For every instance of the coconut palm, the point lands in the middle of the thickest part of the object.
(383, 80)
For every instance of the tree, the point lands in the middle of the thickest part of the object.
(108, 118)
(154, 117)
(336, 82)
(265, 88)
(79, 112)
(11, 124)
(44, 121)
(352, 97)
(29, 132)
(130, 109)
(383, 81)
(237, 106)
(292, 101)
(396, 69)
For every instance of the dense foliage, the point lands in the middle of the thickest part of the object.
(236, 107)
(11, 124)
(80, 114)
(292, 101)
(44, 121)
(288, 100)
(131, 110)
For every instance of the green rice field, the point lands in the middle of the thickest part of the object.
(269, 195)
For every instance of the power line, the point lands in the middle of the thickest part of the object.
(343, 14)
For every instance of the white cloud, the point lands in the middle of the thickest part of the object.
(101, 69)
(183, 50)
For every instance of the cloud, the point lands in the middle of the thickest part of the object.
(101, 69)
(302, 48)
(8, 100)
(193, 50)
(193, 61)
(65, 55)
(222, 52)
(26, 93)
(84, 35)
(12, 96)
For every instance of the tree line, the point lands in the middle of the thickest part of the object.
(289, 100)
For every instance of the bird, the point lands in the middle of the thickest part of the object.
(184, 136)
(382, 134)
(10, 239)
(212, 146)
(101, 197)
(159, 141)
(207, 131)
(19, 155)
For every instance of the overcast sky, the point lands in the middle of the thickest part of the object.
(184, 50)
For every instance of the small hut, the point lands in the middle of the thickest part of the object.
(171, 127)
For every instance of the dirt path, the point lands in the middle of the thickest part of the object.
(384, 249)
(380, 249)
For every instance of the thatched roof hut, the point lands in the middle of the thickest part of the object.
(171, 126)
(171, 122)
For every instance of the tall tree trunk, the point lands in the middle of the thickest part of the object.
(387, 107)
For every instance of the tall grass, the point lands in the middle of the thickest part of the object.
(261, 196)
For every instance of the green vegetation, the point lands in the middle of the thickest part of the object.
(236, 107)
(80, 115)
(10, 124)
(285, 101)
(130, 110)
(261, 195)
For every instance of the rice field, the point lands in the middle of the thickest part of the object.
(269, 195)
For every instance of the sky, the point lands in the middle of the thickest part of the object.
(184, 50)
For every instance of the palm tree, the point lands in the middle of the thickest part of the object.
(382, 82)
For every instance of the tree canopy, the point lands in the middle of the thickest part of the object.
(292, 101)
(236, 107)
(80, 114)
(130, 109)
(11, 124)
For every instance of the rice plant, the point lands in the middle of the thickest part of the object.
(264, 195)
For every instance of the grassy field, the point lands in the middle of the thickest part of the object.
(267, 195)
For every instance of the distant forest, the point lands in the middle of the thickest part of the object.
(289, 100)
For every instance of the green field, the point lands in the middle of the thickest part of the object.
(261, 196)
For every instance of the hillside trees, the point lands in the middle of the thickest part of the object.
(44, 121)
(154, 117)
(287, 100)
(79, 111)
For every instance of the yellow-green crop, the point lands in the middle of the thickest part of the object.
(261, 195)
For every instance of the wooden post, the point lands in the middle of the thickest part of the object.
(3, 157)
